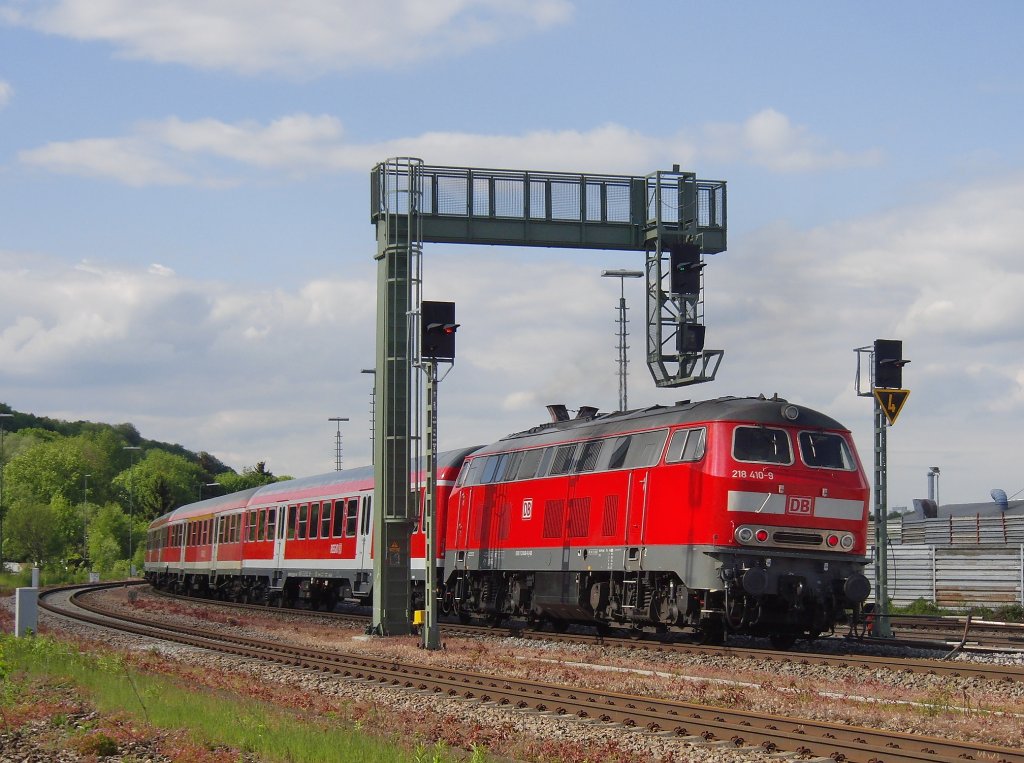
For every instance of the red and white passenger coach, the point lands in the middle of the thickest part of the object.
(745, 515)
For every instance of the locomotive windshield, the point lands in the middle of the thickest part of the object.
(825, 451)
(761, 445)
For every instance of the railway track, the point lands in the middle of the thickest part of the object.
(849, 659)
(757, 732)
(970, 630)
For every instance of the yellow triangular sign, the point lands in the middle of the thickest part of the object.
(892, 401)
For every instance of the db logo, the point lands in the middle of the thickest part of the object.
(527, 508)
(796, 504)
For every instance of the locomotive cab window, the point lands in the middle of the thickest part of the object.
(761, 445)
(686, 445)
(529, 463)
(562, 462)
(825, 451)
(586, 461)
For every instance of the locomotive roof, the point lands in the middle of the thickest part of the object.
(755, 410)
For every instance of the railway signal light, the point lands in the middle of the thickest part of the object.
(889, 363)
(685, 264)
(437, 330)
(690, 338)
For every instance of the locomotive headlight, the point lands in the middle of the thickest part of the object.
(744, 535)
(846, 542)
(761, 535)
(790, 412)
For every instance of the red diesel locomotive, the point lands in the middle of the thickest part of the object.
(735, 515)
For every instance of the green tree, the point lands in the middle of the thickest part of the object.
(69, 528)
(159, 482)
(30, 533)
(64, 467)
(251, 476)
(108, 537)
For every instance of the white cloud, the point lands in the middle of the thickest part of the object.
(213, 152)
(6, 92)
(132, 161)
(769, 139)
(300, 38)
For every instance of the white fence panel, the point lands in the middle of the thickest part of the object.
(955, 577)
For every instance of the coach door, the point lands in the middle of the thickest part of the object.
(278, 536)
(217, 534)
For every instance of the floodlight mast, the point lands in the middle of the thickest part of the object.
(622, 347)
(412, 204)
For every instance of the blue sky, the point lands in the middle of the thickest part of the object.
(184, 211)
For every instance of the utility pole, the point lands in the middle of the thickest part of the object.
(622, 275)
(373, 409)
(85, 516)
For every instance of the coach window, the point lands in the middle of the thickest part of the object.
(261, 524)
(314, 520)
(761, 445)
(271, 523)
(367, 513)
(293, 511)
(301, 532)
(339, 519)
(686, 445)
(825, 451)
(325, 520)
(351, 517)
(589, 453)
(250, 534)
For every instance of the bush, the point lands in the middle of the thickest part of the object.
(921, 607)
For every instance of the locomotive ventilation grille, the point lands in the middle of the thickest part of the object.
(766, 536)
(801, 539)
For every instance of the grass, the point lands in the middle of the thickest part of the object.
(213, 719)
(1010, 613)
(47, 577)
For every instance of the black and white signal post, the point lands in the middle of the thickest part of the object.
(886, 386)
(437, 345)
